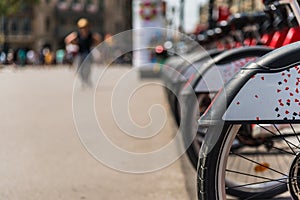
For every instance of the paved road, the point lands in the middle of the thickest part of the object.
(42, 156)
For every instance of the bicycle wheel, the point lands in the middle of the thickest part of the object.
(253, 168)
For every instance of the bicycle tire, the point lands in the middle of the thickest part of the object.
(214, 166)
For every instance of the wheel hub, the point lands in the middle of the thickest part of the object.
(294, 178)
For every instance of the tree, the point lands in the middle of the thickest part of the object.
(9, 7)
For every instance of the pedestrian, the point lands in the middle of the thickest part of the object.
(21, 57)
(85, 39)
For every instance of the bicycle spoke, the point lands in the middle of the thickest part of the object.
(256, 195)
(283, 151)
(282, 137)
(274, 149)
(280, 151)
(252, 161)
(288, 143)
(251, 184)
(255, 176)
(295, 134)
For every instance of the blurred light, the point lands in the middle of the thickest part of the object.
(159, 49)
(168, 44)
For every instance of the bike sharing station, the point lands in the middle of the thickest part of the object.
(148, 23)
(242, 130)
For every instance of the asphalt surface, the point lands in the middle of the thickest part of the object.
(42, 156)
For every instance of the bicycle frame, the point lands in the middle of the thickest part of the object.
(238, 92)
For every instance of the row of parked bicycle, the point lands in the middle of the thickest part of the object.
(237, 104)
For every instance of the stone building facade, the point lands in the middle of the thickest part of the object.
(49, 21)
(119, 16)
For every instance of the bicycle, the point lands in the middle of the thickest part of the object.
(218, 176)
(272, 134)
(237, 58)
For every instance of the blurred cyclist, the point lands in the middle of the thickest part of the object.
(85, 39)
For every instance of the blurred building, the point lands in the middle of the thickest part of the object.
(118, 14)
(48, 22)
(230, 6)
